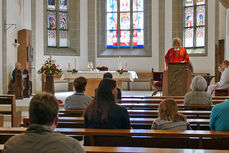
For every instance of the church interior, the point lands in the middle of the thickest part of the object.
(56, 41)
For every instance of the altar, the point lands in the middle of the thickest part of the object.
(94, 78)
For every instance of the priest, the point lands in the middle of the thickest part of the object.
(177, 54)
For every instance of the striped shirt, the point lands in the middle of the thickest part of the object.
(77, 101)
(169, 125)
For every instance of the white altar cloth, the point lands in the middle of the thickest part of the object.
(131, 75)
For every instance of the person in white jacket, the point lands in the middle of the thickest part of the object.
(224, 79)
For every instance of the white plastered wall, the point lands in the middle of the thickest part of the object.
(227, 36)
(200, 64)
(62, 61)
(1, 64)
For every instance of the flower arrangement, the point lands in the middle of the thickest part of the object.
(74, 71)
(49, 68)
(120, 71)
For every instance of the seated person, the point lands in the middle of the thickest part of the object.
(224, 79)
(198, 95)
(219, 120)
(17, 67)
(169, 117)
(40, 136)
(110, 76)
(11, 87)
(103, 112)
(78, 100)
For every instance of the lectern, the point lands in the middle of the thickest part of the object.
(177, 79)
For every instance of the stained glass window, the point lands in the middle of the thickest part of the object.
(125, 23)
(57, 23)
(194, 26)
(51, 4)
(189, 17)
(188, 2)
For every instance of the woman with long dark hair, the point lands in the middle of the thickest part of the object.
(103, 112)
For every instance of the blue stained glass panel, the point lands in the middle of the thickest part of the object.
(188, 2)
(51, 20)
(112, 21)
(63, 39)
(52, 38)
(200, 17)
(200, 2)
(63, 5)
(51, 4)
(125, 21)
(189, 17)
(112, 5)
(138, 38)
(63, 21)
(138, 5)
(124, 39)
(124, 5)
(138, 20)
(112, 39)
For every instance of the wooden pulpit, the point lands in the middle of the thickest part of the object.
(177, 80)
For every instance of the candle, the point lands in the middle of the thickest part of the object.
(119, 63)
(126, 66)
(69, 66)
(76, 64)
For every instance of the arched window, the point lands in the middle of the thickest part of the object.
(124, 23)
(194, 24)
(62, 27)
(57, 23)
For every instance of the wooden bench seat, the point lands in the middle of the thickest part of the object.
(155, 106)
(165, 97)
(142, 137)
(142, 77)
(136, 123)
(137, 113)
(99, 149)
(102, 149)
(179, 101)
(1, 120)
(11, 101)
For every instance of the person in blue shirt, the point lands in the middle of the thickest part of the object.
(219, 120)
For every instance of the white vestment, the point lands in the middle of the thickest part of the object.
(222, 84)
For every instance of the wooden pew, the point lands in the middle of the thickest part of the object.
(137, 113)
(143, 138)
(136, 123)
(174, 97)
(155, 106)
(11, 101)
(179, 101)
(100, 149)
(1, 120)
